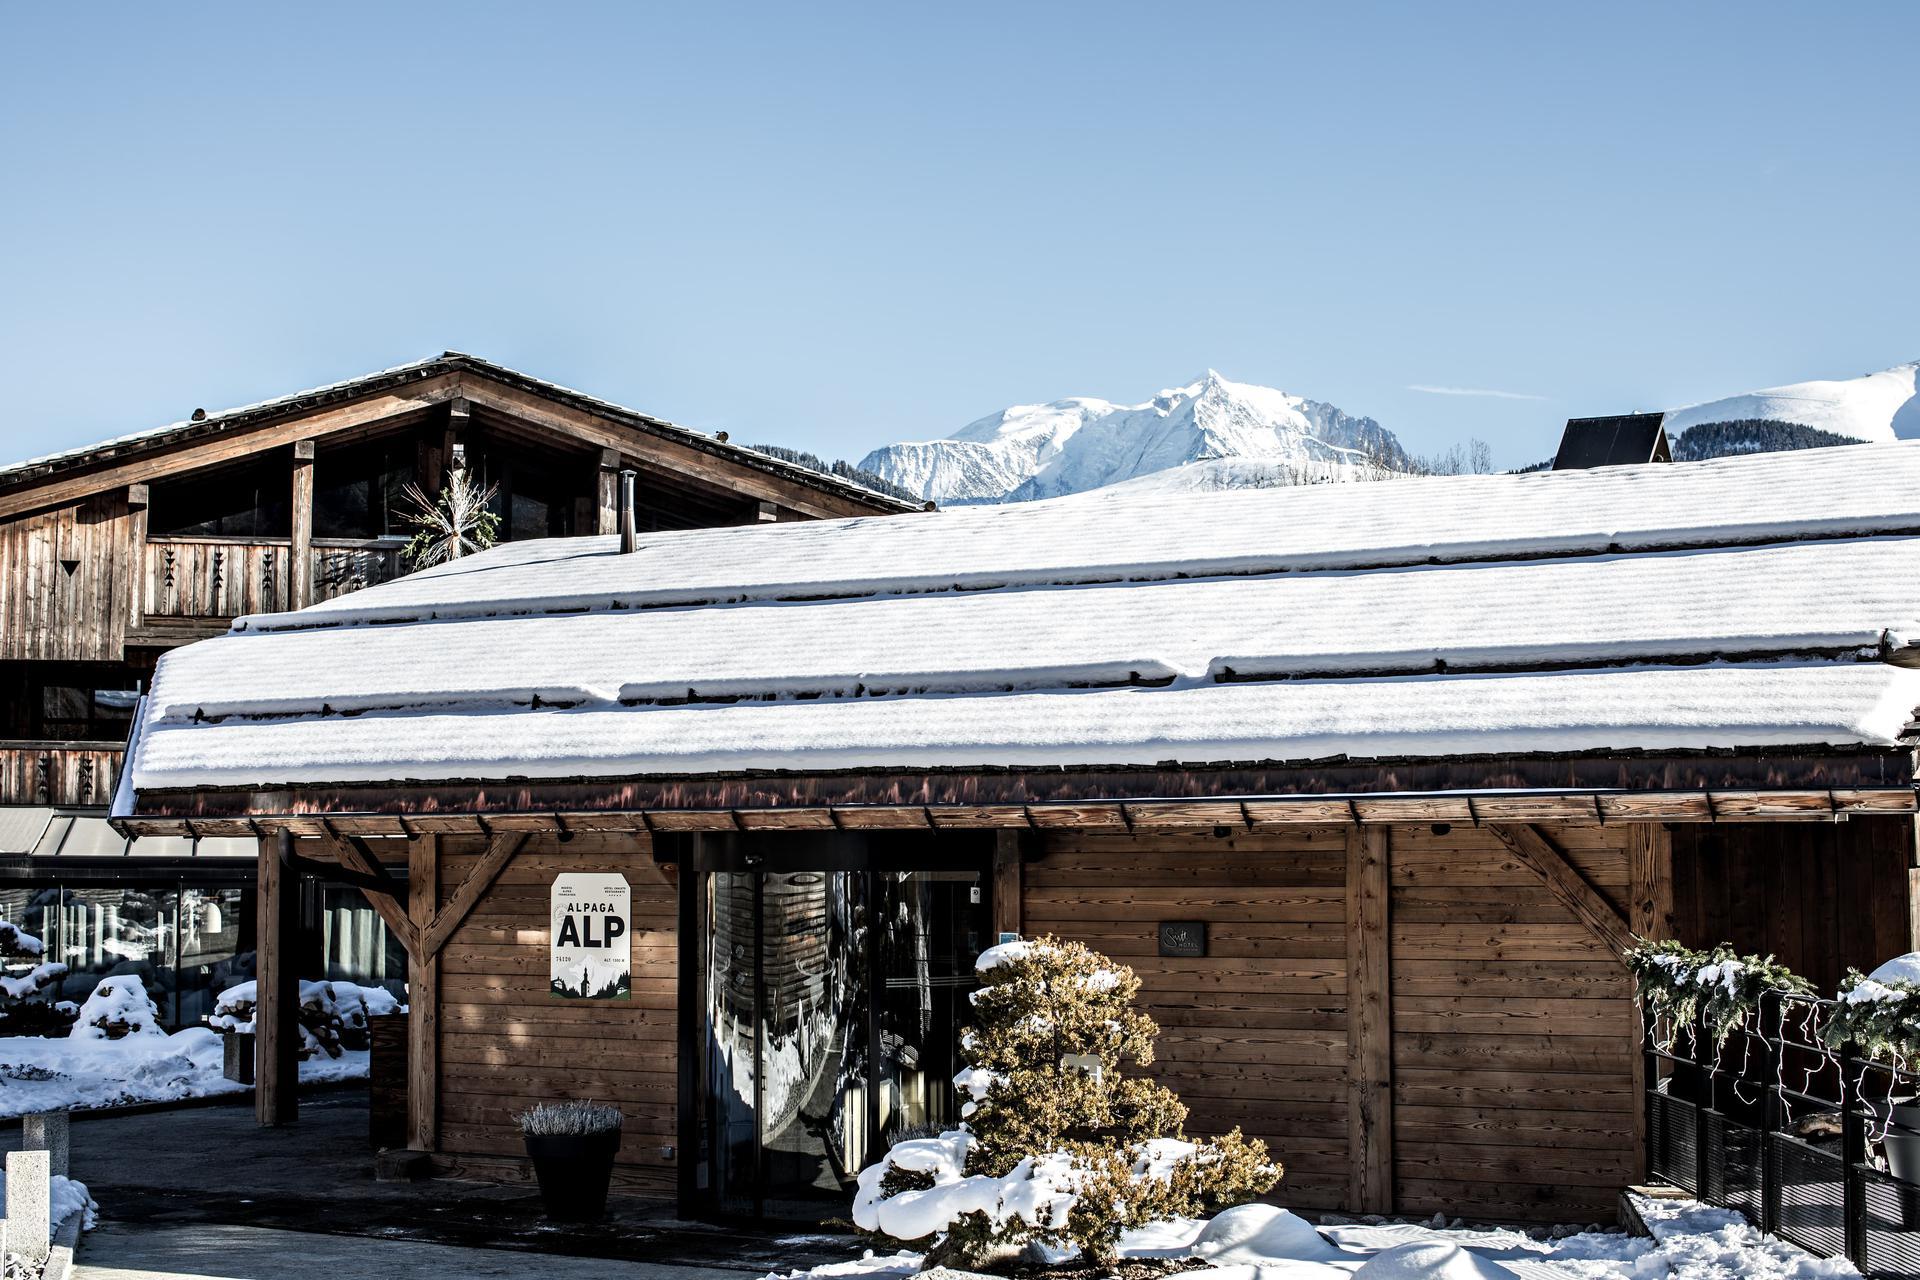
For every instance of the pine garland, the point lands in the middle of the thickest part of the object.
(1720, 986)
(1881, 1018)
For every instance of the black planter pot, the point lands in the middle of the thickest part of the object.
(574, 1171)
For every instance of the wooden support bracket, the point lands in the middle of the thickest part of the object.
(387, 896)
(500, 850)
(1540, 856)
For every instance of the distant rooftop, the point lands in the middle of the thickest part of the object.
(1614, 441)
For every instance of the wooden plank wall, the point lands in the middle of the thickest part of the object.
(49, 611)
(1511, 1026)
(58, 773)
(1818, 896)
(1513, 1032)
(505, 1043)
(1255, 1033)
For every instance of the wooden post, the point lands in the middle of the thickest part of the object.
(1650, 916)
(423, 998)
(1369, 1024)
(276, 1011)
(1006, 882)
(1913, 886)
(459, 419)
(607, 513)
(137, 537)
(300, 553)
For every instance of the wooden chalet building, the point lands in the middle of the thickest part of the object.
(1370, 783)
(112, 555)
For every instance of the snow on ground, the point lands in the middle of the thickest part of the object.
(1691, 1241)
(68, 1196)
(85, 1069)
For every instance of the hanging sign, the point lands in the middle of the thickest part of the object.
(590, 922)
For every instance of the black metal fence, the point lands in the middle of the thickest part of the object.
(1791, 1133)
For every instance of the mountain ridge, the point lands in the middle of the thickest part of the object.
(1034, 451)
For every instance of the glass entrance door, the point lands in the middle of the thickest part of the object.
(804, 968)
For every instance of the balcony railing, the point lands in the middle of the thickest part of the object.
(200, 578)
(1797, 1136)
(58, 773)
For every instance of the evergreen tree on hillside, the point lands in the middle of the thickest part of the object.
(1749, 435)
(838, 467)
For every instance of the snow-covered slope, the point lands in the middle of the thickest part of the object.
(1069, 446)
(1878, 407)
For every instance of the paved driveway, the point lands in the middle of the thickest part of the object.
(124, 1252)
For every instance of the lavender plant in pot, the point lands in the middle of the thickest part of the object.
(572, 1145)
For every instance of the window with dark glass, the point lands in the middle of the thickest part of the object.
(248, 499)
(534, 495)
(82, 704)
(359, 491)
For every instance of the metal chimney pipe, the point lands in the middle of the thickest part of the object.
(628, 538)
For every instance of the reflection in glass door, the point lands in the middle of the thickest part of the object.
(929, 937)
(802, 969)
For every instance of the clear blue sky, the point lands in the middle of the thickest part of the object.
(835, 227)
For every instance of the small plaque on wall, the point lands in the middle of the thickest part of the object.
(1183, 937)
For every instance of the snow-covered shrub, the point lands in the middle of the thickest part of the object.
(1677, 982)
(17, 943)
(1880, 1012)
(24, 969)
(1059, 1147)
(333, 1015)
(569, 1119)
(117, 1008)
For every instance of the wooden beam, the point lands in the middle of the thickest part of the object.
(227, 446)
(389, 901)
(1369, 1024)
(300, 552)
(1007, 886)
(1215, 795)
(479, 878)
(607, 500)
(1539, 855)
(713, 466)
(1650, 906)
(136, 573)
(276, 1010)
(1650, 880)
(423, 1001)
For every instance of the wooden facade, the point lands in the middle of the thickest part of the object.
(1416, 1016)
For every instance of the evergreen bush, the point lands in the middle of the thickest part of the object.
(1060, 1147)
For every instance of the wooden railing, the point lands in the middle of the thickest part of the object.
(58, 773)
(224, 578)
(343, 567)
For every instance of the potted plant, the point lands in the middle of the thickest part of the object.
(572, 1145)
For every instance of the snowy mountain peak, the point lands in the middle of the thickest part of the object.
(1081, 442)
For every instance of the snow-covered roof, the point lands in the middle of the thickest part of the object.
(1754, 603)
